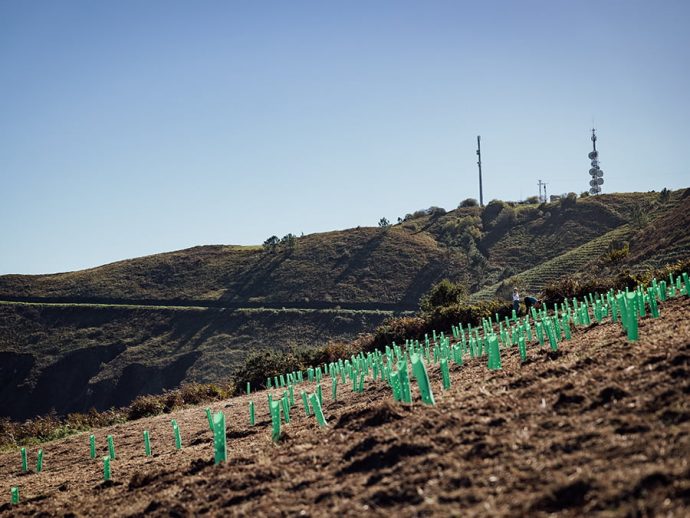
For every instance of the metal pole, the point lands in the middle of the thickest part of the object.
(479, 163)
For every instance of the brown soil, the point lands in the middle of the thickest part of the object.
(601, 427)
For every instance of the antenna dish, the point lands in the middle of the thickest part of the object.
(593, 154)
(600, 173)
(594, 190)
(593, 171)
(595, 163)
(593, 183)
(600, 181)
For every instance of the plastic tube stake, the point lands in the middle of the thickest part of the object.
(316, 405)
(445, 373)
(220, 446)
(249, 388)
(275, 417)
(111, 447)
(405, 392)
(176, 433)
(24, 462)
(286, 409)
(420, 374)
(92, 446)
(494, 354)
(210, 419)
(522, 348)
(305, 401)
(39, 461)
(106, 468)
(14, 492)
(147, 444)
(251, 413)
(334, 389)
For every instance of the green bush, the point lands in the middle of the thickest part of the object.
(468, 202)
(491, 212)
(443, 293)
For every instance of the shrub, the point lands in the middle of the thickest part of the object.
(468, 202)
(491, 212)
(664, 195)
(145, 406)
(584, 194)
(532, 200)
(506, 218)
(442, 293)
(569, 201)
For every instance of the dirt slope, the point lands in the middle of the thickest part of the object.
(601, 427)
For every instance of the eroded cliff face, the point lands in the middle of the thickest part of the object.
(69, 359)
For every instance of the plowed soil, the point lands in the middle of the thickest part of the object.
(599, 428)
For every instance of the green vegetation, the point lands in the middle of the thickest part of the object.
(141, 326)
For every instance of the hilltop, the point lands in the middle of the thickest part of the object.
(99, 337)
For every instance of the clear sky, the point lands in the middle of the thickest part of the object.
(131, 128)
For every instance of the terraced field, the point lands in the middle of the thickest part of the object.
(534, 279)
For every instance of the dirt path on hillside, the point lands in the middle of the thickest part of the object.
(601, 427)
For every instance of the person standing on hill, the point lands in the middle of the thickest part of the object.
(516, 300)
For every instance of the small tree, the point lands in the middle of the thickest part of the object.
(443, 293)
(664, 195)
(289, 241)
(271, 243)
(468, 202)
(384, 223)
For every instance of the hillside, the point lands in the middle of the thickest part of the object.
(150, 323)
(601, 427)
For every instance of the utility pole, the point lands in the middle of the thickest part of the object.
(546, 198)
(479, 163)
(539, 182)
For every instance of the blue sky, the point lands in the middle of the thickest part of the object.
(131, 128)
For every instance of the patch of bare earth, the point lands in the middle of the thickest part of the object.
(601, 427)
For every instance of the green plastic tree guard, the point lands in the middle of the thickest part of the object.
(249, 388)
(176, 433)
(251, 413)
(25, 465)
(106, 468)
(14, 494)
(275, 417)
(147, 444)
(111, 447)
(305, 401)
(39, 461)
(318, 411)
(405, 392)
(210, 419)
(268, 382)
(445, 374)
(334, 388)
(632, 317)
(494, 354)
(220, 445)
(92, 445)
(522, 348)
(286, 409)
(420, 374)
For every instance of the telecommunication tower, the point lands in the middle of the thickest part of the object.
(595, 171)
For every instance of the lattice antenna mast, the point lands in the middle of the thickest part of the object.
(595, 171)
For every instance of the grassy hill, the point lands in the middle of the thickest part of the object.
(192, 315)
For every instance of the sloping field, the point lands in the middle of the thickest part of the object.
(600, 427)
(534, 279)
